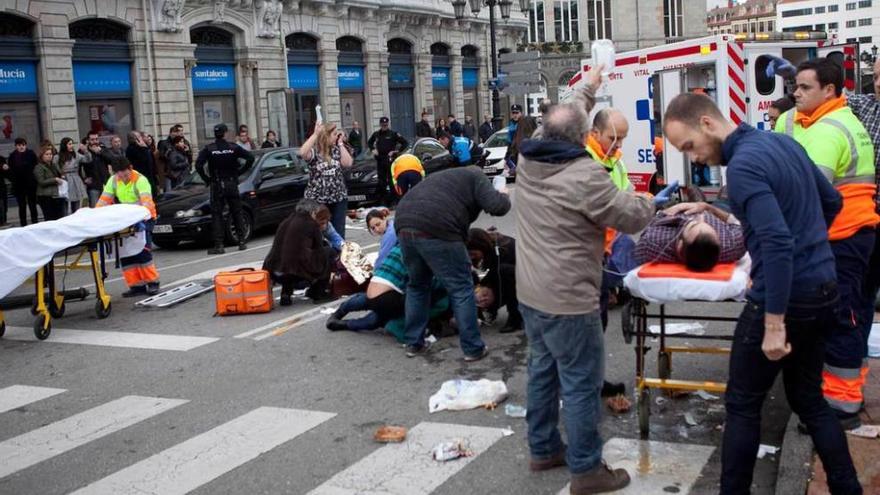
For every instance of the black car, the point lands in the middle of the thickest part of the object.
(433, 155)
(269, 191)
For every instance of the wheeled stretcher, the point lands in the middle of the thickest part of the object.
(31, 251)
(662, 283)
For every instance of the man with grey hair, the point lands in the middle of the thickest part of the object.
(565, 200)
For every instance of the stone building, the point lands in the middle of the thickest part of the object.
(68, 67)
(749, 17)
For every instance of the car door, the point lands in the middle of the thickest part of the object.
(275, 186)
(440, 158)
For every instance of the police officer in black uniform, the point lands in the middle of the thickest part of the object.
(223, 171)
(384, 144)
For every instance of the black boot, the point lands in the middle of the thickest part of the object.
(335, 324)
(242, 245)
(612, 389)
(217, 249)
(286, 299)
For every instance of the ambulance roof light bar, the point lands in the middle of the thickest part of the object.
(785, 36)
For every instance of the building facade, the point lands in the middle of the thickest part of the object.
(67, 68)
(563, 29)
(750, 17)
(849, 20)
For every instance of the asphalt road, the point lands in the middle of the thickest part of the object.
(275, 403)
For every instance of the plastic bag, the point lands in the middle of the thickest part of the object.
(460, 395)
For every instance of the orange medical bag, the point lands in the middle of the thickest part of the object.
(243, 291)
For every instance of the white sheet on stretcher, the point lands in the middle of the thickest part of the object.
(24, 250)
(671, 289)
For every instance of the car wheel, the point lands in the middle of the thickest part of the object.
(166, 243)
(247, 223)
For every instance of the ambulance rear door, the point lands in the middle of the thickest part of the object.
(667, 85)
(762, 89)
(846, 54)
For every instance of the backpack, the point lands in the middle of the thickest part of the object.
(461, 149)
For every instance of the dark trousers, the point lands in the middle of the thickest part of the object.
(317, 287)
(337, 216)
(381, 310)
(27, 202)
(507, 295)
(4, 201)
(53, 208)
(383, 185)
(751, 376)
(872, 286)
(225, 192)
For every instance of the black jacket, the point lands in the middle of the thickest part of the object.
(356, 140)
(423, 129)
(98, 169)
(386, 141)
(222, 159)
(178, 163)
(486, 131)
(142, 160)
(21, 171)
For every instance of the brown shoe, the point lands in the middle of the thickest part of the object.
(600, 479)
(554, 461)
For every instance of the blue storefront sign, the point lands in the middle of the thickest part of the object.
(18, 78)
(303, 76)
(351, 77)
(400, 74)
(469, 78)
(440, 77)
(102, 77)
(213, 77)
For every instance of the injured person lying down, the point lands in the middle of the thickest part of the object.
(697, 235)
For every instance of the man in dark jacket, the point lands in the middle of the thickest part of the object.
(138, 153)
(97, 170)
(385, 144)
(470, 130)
(21, 164)
(423, 127)
(486, 128)
(432, 222)
(455, 127)
(222, 176)
(785, 205)
(356, 139)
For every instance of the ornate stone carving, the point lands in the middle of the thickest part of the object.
(248, 67)
(267, 17)
(219, 10)
(167, 13)
(189, 64)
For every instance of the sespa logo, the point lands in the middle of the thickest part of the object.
(12, 74)
(212, 73)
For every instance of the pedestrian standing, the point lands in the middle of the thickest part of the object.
(4, 194)
(158, 159)
(441, 128)
(423, 127)
(486, 128)
(785, 205)
(271, 140)
(178, 164)
(385, 144)
(21, 164)
(455, 127)
(520, 128)
(48, 177)
(565, 201)
(356, 138)
(140, 157)
(70, 161)
(97, 170)
(432, 222)
(470, 130)
(222, 178)
(327, 155)
(244, 140)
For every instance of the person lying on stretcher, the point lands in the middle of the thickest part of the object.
(697, 235)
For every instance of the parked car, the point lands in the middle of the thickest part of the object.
(496, 145)
(433, 155)
(269, 191)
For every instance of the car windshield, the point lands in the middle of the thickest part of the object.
(498, 140)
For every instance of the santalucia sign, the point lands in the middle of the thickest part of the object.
(12, 74)
(211, 74)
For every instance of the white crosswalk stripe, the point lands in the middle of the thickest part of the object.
(190, 464)
(151, 341)
(21, 395)
(67, 434)
(407, 468)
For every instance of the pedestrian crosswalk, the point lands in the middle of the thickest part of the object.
(394, 469)
(104, 338)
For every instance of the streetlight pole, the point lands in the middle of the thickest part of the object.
(496, 99)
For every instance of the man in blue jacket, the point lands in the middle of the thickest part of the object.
(785, 206)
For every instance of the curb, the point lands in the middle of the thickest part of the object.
(794, 471)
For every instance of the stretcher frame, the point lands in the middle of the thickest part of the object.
(46, 308)
(634, 323)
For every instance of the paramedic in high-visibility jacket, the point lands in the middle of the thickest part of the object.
(127, 186)
(842, 149)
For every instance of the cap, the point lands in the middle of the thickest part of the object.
(516, 107)
(220, 129)
(383, 120)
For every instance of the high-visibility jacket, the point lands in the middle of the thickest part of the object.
(619, 177)
(136, 191)
(842, 149)
(405, 163)
(786, 125)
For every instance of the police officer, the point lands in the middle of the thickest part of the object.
(385, 143)
(223, 171)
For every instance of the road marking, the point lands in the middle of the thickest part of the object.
(21, 395)
(655, 467)
(281, 330)
(152, 341)
(191, 464)
(57, 438)
(407, 468)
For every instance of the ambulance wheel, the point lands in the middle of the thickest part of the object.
(644, 412)
(627, 321)
(57, 311)
(42, 327)
(2, 328)
(102, 312)
(664, 365)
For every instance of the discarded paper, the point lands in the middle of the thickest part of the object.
(515, 411)
(328, 311)
(447, 451)
(692, 328)
(507, 432)
(763, 450)
(706, 395)
(354, 261)
(459, 395)
(689, 419)
(866, 431)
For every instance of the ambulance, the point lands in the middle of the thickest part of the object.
(729, 68)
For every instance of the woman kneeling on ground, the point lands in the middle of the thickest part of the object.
(299, 257)
(495, 253)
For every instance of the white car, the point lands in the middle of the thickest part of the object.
(496, 145)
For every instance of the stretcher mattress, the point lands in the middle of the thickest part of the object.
(24, 250)
(671, 282)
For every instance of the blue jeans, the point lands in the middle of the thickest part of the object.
(358, 302)
(449, 262)
(566, 355)
(337, 216)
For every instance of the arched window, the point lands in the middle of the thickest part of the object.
(98, 30)
(440, 49)
(301, 42)
(211, 36)
(470, 51)
(565, 77)
(399, 45)
(349, 44)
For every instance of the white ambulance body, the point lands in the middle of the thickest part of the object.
(729, 68)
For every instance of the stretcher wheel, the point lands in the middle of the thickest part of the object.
(102, 312)
(42, 327)
(644, 412)
(627, 321)
(2, 328)
(57, 311)
(664, 365)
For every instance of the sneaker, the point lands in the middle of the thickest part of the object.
(335, 324)
(153, 288)
(242, 246)
(600, 479)
(216, 250)
(478, 356)
(554, 461)
(286, 300)
(418, 350)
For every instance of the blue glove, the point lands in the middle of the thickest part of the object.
(662, 197)
(780, 67)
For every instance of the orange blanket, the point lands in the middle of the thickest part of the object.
(721, 273)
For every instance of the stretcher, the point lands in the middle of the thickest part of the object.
(663, 283)
(89, 234)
